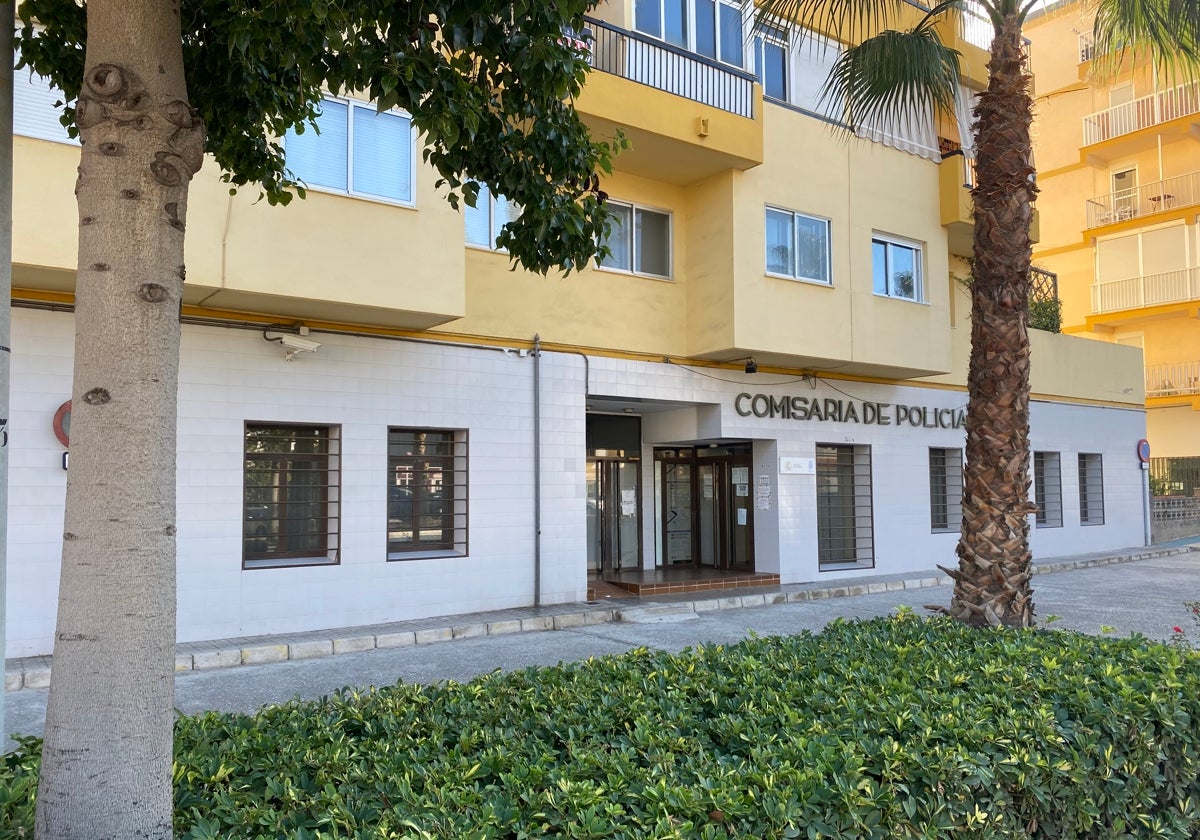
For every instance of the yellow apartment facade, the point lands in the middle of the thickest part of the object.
(379, 420)
(1119, 170)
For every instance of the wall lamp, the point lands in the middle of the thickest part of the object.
(751, 365)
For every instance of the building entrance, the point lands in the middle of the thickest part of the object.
(614, 494)
(705, 516)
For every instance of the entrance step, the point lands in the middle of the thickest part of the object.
(656, 614)
(678, 581)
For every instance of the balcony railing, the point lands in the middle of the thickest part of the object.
(1143, 112)
(1087, 47)
(657, 64)
(1143, 200)
(1150, 290)
(1172, 378)
(974, 27)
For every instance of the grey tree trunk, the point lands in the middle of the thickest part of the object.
(106, 762)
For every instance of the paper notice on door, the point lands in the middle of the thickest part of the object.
(628, 502)
(706, 481)
(742, 516)
(762, 493)
(739, 475)
(743, 489)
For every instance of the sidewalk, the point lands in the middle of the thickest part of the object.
(34, 672)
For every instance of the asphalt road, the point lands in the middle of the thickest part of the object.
(1145, 597)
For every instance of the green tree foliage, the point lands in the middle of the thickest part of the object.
(489, 86)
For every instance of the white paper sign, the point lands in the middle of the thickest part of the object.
(741, 516)
(739, 475)
(797, 466)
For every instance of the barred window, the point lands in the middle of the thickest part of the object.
(845, 533)
(427, 492)
(1047, 489)
(290, 495)
(1091, 489)
(945, 490)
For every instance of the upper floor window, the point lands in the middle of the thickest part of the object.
(797, 246)
(358, 151)
(484, 220)
(709, 27)
(771, 62)
(35, 113)
(639, 239)
(897, 268)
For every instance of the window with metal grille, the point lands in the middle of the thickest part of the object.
(845, 533)
(1047, 489)
(945, 489)
(1091, 489)
(427, 492)
(290, 495)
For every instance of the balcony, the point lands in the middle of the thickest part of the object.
(1165, 109)
(1144, 200)
(1087, 47)
(956, 179)
(1149, 290)
(687, 116)
(1173, 379)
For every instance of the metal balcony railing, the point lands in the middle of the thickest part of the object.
(1087, 47)
(657, 64)
(1172, 378)
(1145, 111)
(1143, 200)
(975, 27)
(1149, 290)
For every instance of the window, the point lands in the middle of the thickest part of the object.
(711, 28)
(1047, 489)
(945, 490)
(358, 151)
(1091, 489)
(427, 492)
(771, 61)
(845, 536)
(34, 111)
(897, 268)
(797, 246)
(290, 496)
(640, 240)
(484, 220)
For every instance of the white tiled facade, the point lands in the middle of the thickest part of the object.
(229, 377)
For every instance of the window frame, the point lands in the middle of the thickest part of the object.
(946, 500)
(690, 32)
(350, 192)
(330, 554)
(862, 508)
(1047, 515)
(634, 209)
(458, 499)
(795, 215)
(890, 242)
(493, 227)
(33, 98)
(779, 35)
(1087, 504)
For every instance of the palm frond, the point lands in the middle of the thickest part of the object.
(847, 21)
(1164, 33)
(891, 78)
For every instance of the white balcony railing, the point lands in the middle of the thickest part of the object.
(975, 27)
(1087, 47)
(1144, 199)
(1148, 290)
(1143, 112)
(1172, 378)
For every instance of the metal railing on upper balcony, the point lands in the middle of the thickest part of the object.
(1145, 111)
(1143, 200)
(1172, 379)
(975, 27)
(658, 64)
(1147, 290)
(1087, 47)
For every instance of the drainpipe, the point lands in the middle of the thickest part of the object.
(537, 470)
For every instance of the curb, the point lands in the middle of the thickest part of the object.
(34, 672)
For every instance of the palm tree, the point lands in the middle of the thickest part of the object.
(884, 77)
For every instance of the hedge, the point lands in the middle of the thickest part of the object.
(891, 728)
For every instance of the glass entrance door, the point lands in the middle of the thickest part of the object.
(706, 515)
(613, 515)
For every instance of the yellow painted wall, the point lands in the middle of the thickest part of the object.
(45, 215)
(1172, 432)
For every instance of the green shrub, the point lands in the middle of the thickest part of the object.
(900, 728)
(1046, 314)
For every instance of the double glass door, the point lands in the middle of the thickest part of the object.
(706, 519)
(613, 514)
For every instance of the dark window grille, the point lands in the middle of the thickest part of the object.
(290, 497)
(845, 532)
(945, 489)
(1091, 489)
(1047, 489)
(427, 491)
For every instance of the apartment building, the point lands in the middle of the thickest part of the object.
(1119, 170)
(764, 382)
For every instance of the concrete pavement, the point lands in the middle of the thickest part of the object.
(1140, 590)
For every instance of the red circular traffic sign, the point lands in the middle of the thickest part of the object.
(1143, 450)
(62, 424)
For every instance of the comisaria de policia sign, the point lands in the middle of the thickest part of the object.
(829, 410)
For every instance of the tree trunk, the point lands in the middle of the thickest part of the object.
(992, 582)
(106, 762)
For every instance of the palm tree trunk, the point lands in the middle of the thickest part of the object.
(992, 582)
(106, 761)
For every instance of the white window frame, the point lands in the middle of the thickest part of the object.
(493, 226)
(780, 35)
(828, 223)
(350, 191)
(633, 243)
(32, 93)
(745, 11)
(890, 241)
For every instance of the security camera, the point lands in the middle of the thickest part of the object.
(299, 345)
